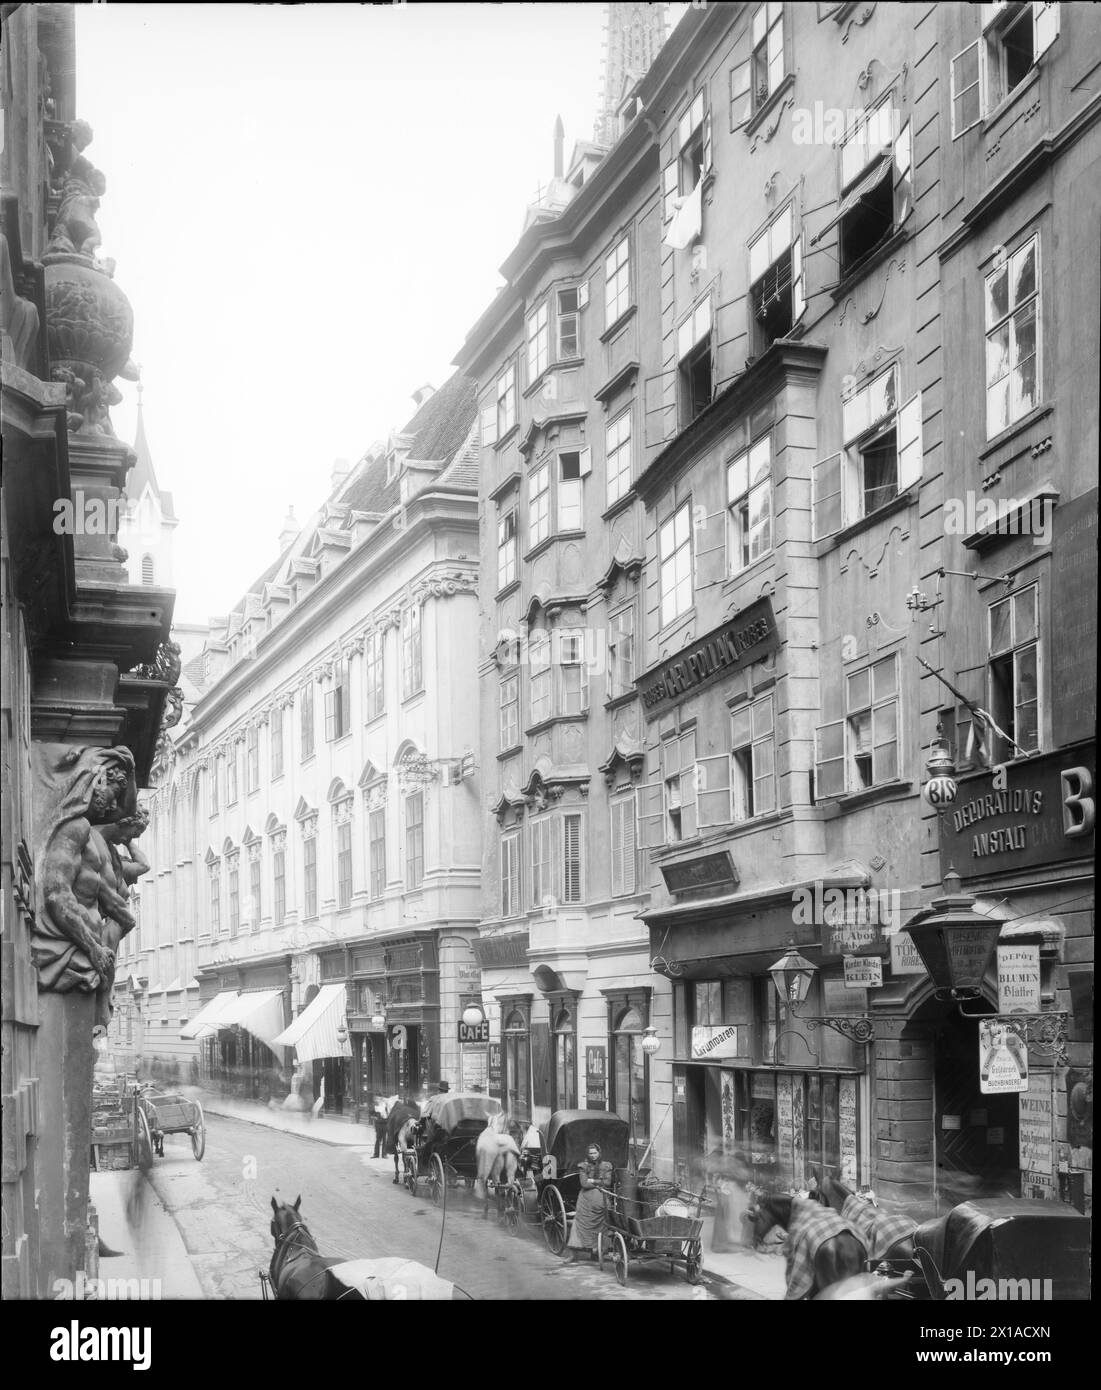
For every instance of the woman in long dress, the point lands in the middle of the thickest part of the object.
(588, 1219)
(728, 1233)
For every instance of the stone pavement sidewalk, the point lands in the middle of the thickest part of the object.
(150, 1253)
(324, 1129)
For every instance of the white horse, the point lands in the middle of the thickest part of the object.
(497, 1156)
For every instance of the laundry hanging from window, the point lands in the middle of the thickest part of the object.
(687, 221)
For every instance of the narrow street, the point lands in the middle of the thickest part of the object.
(222, 1207)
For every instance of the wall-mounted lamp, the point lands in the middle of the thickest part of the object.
(473, 1015)
(792, 975)
(956, 937)
(342, 1031)
(651, 1043)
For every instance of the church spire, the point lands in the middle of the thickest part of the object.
(633, 36)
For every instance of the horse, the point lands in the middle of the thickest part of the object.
(886, 1236)
(822, 1249)
(299, 1271)
(497, 1156)
(400, 1114)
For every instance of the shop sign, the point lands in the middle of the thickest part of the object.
(466, 973)
(596, 1077)
(493, 1063)
(846, 1118)
(1018, 979)
(715, 1040)
(474, 1032)
(726, 1088)
(1036, 1137)
(747, 637)
(1003, 1056)
(904, 957)
(708, 871)
(1021, 815)
(863, 972)
(496, 951)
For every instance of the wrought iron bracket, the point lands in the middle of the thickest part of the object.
(859, 1030)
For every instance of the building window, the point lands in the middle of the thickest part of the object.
(374, 659)
(675, 562)
(767, 61)
(215, 869)
(506, 550)
(510, 874)
(1014, 674)
(538, 510)
(412, 652)
(338, 721)
(753, 760)
(876, 184)
(883, 455)
(309, 876)
(569, 324)
(1014, 38)
(573, 673)
(694, 142)
(506, 401)
(255, 870)
(621, 652)
(147, 569)
(376, 833)
(252, 758)
(344, 863)
(624, 851)
(628, 1072)
(214, 765)
(749, 506)
(572, 467)
(565, 1061)
(305, 718)
(540, 676)
(279, 883)
(231, 775)
(538, 342)
(694, 368)
(414, 840)
(509, 707)
(517, 1060)
(1013, 338)
(861, 750)
(277, 741)
(776, 286)
(543, 887)
(617, 282)
(233, 862)
(617, 453)
(678, 775)
(572, 862)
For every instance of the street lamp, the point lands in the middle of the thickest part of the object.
(651, 1043)
(956, 937)
(792, 975)
(473, 1014)
(342, 1031)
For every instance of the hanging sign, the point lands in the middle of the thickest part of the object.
(596, 1070)
(710, 1041)
(1036, 1138)
(863, 972)
(1018, 979)
(474, 1032)
(1003, 1056)
(904, 957)
(493, 1062)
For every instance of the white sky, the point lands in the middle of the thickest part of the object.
(308, 205)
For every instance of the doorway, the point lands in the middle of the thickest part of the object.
(976, 1138)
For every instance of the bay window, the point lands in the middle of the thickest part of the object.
(621, 652)
(506, 550)
(538, 506)
(538, 342)
(569, 323)
(510, 874)
(509, 710)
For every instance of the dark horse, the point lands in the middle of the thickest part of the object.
(298, 1270)
(399, 1114)
(822, 1250)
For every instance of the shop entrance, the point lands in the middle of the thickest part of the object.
(405, 1059)
(334, 1072)
(976, 1139)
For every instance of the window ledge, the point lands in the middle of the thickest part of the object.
(554, 719)
(616, 382)
(749, 572)
(1017, 427)
(669, 631)
(760, 117)
(619, 505)
(503, 439)
(416, 695)
(873, 259)
(619, 701)
(509, 588)
(854, 528)
(544, 545)
(870, 796)
(509, 752)
(621, 322)
(1007, 103)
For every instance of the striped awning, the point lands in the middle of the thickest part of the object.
(313, 1032)
(259, 1013)
(209, 1017)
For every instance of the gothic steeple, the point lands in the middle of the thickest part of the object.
(633, 36)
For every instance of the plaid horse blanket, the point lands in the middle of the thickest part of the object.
(811, 1224)
(879, 1230)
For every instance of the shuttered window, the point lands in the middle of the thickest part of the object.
(571, 859)
(510, 874)
(624, 855)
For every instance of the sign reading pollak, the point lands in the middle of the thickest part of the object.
(746, 638)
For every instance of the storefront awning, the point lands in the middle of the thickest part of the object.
(208, 1019)
(259, 1013)
(313, 1032)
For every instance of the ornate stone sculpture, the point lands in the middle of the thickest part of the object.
(83, 881)
(75, 229)
(18, 316)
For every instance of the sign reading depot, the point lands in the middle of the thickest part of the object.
(745, 638)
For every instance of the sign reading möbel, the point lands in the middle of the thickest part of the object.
(746, 638)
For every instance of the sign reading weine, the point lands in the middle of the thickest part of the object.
(746, 638)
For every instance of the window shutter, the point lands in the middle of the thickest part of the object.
(707, 134)
(741, 99)
(690, 784)
(585, 461)
(829, 760)
(798, 285)
(489, 425)
(902, 176)
(617, 819)
(669, 190)
(345, 702)
(909, 442)
(1045, 26)
(964, 116)
(713, 788)
(571, 859)
(651, 815)
(583, 294)
(826, 496)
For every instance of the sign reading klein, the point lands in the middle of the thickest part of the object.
(746, 638)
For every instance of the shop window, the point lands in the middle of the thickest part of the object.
(516, 1056)
(1014, 664)
(630, 1091)
(1013, 338)
(565, 1061)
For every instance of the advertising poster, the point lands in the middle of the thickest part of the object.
(1036, 1138)
(1018, 979)
(846, 1112)
(1003, 1056)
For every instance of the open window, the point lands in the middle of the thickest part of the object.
(574, 465)
(776, 280)
(694, 362)
(1014, 37)
(506, 550)
(682, 178)
(876, 182)
(570, 303)
(749, 506)
(862, 749)
(1014, 673)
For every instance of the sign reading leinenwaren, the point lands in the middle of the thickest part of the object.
(745, 638)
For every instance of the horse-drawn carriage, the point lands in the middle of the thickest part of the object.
(158, 1115)
(663, 1224)
(444, 1151)
(557, 1179)
(131, 1119)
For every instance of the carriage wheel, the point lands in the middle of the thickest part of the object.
(513, 1198)
(198, 1134)
(552, 1214)
(437, 1179)
(693, 1267)
(620, 1261)
(144, 1142)
(411, 1173)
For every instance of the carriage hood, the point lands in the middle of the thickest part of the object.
(570, 1132)
(452, 1110)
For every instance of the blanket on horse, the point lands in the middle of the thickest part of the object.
(879, 1230)
(811, 1225)
(392, 1278)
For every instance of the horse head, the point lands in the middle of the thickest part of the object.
(765, 1211)
(286, 1218)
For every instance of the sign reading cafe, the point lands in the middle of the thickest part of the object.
(743, 639)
